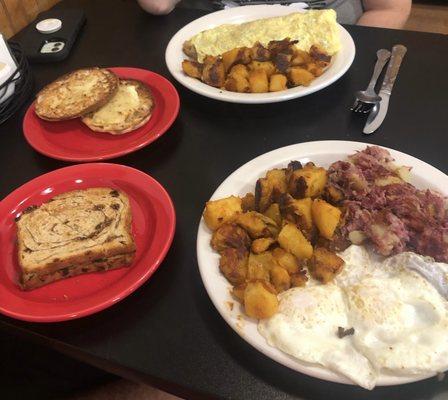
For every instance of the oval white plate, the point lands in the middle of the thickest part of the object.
(174, 56)
(243, 180)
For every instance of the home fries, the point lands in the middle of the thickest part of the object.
(266, 55)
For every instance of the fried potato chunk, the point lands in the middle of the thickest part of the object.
(303, 210)
(292, 166)
(273, 212)
(315, 69)
(286, 260)
(299, 76)
(230, 57)
(263, 194)
(300, 57)
(248, 202)
(280, 279)
(308, 181)
(259, 265)
(239, 70)
(192, 69)
(233, 264)
(257, 225)
(298, 279)
(237, 79)
(325, 265)
(230, 235)
(265, 259)
(293, 241)
(238, 55)
(269, 188)
(260, 245)
(214, 73)
(258, 81)
(218, 212)
(326, 217)
(266, 66)
(210, 59)
(238, 291)
(277, 179)
(260, 300)
(297, 211)
(278, 82)
(237, 83)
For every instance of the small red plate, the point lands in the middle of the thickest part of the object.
(153, 227)
(73, 141)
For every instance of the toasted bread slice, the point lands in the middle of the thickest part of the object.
(76, 94)
(33, 281)
(129, 109)
(75, 232)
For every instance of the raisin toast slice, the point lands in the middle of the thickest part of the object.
(76, 93)
(74, 233)
(129, 109)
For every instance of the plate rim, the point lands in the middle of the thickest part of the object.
(251, 98)
(202, 247)
(118, 153)
(137, 282)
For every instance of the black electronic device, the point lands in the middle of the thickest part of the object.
(52, 35)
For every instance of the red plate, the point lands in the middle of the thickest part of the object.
(153, 229)
(73, 141)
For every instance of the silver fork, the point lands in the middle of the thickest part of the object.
(366, 99)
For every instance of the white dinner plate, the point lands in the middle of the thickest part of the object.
(174, 56)
(323, 153)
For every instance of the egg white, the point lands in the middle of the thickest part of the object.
(306, 327)
(401, 321)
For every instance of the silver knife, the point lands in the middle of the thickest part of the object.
(379, 111)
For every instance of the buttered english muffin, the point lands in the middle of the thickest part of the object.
(127, 110)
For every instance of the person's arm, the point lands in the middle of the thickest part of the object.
(385, 13)
(158, 7)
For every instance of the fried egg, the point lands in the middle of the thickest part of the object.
(395, 305)
(400, 319)
(306, 327)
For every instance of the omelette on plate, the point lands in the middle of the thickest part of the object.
(265, 55)
(313, 27)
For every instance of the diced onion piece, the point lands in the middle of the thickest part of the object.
(357, 237)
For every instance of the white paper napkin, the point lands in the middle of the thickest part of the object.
(7, 68)
(299, 6)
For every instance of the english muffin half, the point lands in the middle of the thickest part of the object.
(129, 109)
(76, 94)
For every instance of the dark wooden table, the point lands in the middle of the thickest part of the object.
(168, 333)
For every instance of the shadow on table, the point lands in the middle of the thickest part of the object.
(35, 372)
